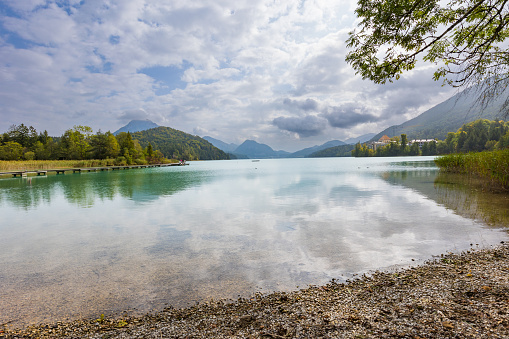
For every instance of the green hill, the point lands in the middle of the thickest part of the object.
(337, 151)
(310, 150)
(179, 145)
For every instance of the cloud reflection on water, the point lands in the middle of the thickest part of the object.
(116, 241)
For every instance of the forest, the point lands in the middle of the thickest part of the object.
(23, 142)
(477, 136)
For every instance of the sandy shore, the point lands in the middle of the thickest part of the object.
(456, 295)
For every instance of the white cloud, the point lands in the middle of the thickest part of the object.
(80, 63)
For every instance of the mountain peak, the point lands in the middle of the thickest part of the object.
(221, 144)
(253, 149)
(137, 126)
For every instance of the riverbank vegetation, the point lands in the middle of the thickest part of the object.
(31, 165)
(79, 143)
(157, 145)
(491, 166)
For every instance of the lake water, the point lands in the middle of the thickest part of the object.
(78, 245)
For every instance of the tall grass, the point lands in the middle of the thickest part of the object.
(28, 165)
(492, 166)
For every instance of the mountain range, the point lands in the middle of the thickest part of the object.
(252, 149)
(229, 148)
(434, 123)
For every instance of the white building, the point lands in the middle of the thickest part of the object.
(420, 142)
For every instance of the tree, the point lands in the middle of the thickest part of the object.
(404, 146)
(450, 141)
(40, 152)
(414, 149)
(356, 152)
(433, 148)
(74, 144)
(23, 135)
(425, 149)
(466, 36)
(503, 142)
(104, 145)
(11, 150)
(150, 150)
(43, 137)
(125, 141)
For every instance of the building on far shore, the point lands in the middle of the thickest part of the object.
(420, 142)
(383, 141)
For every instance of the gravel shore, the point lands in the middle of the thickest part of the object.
(462, 295)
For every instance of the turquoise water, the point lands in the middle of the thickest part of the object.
(78, 245)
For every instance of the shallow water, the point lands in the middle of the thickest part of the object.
(78, 245)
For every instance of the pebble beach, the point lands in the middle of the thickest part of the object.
(460, 295)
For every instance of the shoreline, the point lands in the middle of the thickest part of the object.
(463, 295)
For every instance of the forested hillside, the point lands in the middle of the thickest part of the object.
(79, 143)
(446, 117)
(337, 151)
(307, 152)
(179, 145)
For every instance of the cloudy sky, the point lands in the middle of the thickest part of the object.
(268, 70)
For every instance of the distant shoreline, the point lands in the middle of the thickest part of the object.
(461, 295)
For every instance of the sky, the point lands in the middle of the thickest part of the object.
(272, 71)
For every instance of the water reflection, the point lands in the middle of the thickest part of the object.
(82, 245)
(463, 195)
(85, 189)
(469, 199)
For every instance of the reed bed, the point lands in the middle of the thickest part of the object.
(492, 166)
(30, 165)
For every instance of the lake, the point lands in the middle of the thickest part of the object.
(78, 245)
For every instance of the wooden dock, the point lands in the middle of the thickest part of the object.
(83, 169)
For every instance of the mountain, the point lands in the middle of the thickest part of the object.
(446, 117)
(177, 144)
(136, 126)
(307, 151)
(361, 139)
(221, 144)
(253, 150)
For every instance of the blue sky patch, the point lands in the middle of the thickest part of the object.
(168, 77)
(114, 39)
(106, 67)
(18, 42)
(7, 11)
(66, 6)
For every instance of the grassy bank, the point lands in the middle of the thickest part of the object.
(492, 166)
(30, 165)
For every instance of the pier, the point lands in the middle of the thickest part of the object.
(82, 169)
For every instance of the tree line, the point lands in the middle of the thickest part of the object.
(477, 136)
(22, 142)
